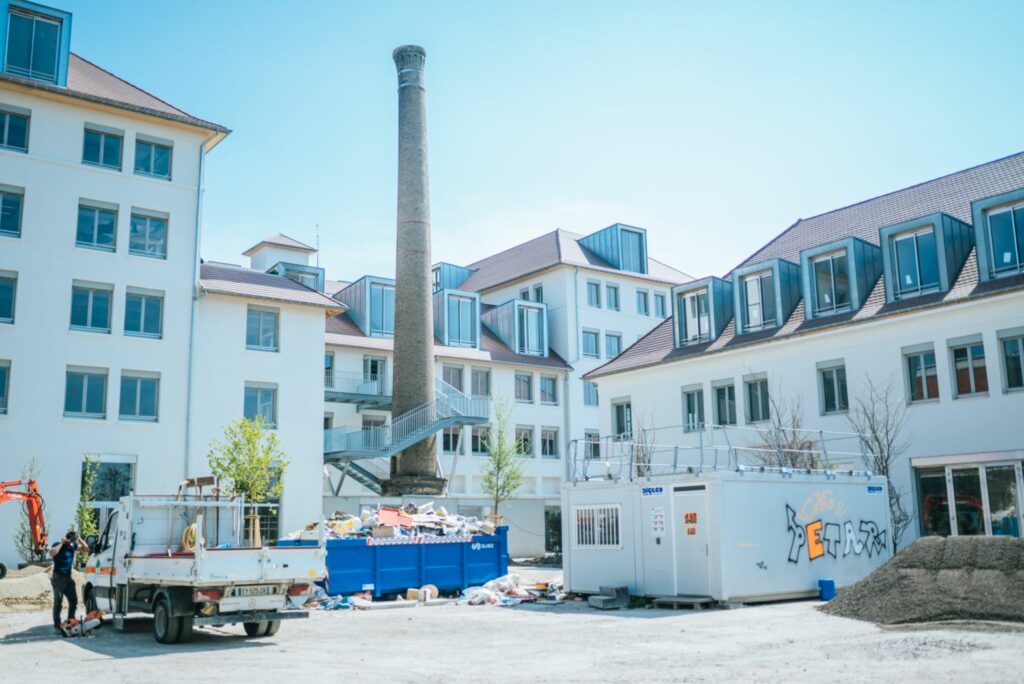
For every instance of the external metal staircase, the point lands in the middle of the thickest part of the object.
(365, 454)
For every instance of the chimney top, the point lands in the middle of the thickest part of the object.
(409, 60)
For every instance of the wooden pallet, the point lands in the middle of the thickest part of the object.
(685, 602)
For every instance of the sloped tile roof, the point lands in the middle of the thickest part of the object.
(245, 282)
(280, 240)
(551, 249)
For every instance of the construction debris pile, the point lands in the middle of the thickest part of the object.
(503, 591)
(390, 522)
(935, 578)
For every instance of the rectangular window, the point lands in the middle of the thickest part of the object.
(11, 200)
(549, 390)
(33, 41)
(140, 396)
(143, 314)
(1013, 361)
(590, 343)
(375, 370)
(436, 279)
(924, 381)
(524, 294)
(693, 410)
(643, 303)
(969, 373)
(1006, 240)
(633, 257)
(382, 310)
(102, 148)
(8, 293)
(453, 376)
(612, 345)
(524, 441)
(612, 297)
(90, 308)
(589, 393)
(916, 262)
(833, 390)
(538, 293)
(597, 527)
(831, 283)
(758, 407)
(480, 440)
(531, 331)
(13, 131)
(85, 393)
(659, 305)
(329, 369)
(524, 387)
(695, 317)
(148, 236)
(594, 294)
(481, 382)
(622, 419)
(5, 384)
(450, 440)
(261, 401)
(725, 405)
(549, 442)
(759, 291)
(97, 228)
(592, 444)
(152, 159)
(261, 329)
(462, 320)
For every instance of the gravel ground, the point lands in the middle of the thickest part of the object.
(785, 642)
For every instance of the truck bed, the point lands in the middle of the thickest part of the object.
(217, 567)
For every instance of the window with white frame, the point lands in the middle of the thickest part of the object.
(549, 390)
(524, 387)
(549, 442)
(612, 345)
(480, 440)
(143, 313)
(531, 331)
(140, 396)
(916, 262)
(538, 293)
(261, 329)
(480, 385)
(11, 200)
(1006, 239)
(85, 393)
(450, 440)
(759, 300)
(634, 252)
(922, 375)
(8, 295)
(591, 343)
(622, 419)
(593, 293)
(97, 227)
(90, 306)
(969, 373)
(328, 369)
(382, 310)
(659, 305)
(696, 322)
(590, 393)
(612, 297)
(693, 410)
(524, 440)
(725, 404)
(643, 302)
(1013, 362)
(261, 402)
(14, 130)
(524, 294)
(33, 45)
(597, 526)
(592, 444)
(453, 376)
(832, 388)
(115, 478)
(5, 384)
(462, 321)
(153, 158)
(831, 282)
(758, 405)
(148, 236)
(102, 148)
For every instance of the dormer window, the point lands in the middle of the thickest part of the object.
(462, 321)
(307, 279)
(1006, 240)
(382, 310)
(33, 44)
(697, 325)
(436, 276)
(530, 331)
(916, 262)
(633, 257)
(831, 283)
(759, 300)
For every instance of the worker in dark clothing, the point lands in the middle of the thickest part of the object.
(63, 554)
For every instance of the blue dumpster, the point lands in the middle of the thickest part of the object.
(390, 566)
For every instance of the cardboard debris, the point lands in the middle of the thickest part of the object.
(388, 522)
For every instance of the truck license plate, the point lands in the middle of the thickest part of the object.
(254, 591)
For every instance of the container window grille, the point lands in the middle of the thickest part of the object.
(597, 527)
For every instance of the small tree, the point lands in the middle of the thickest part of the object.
(879, 417)
(783, 442)
(503, 470)
(23, 535)
(85, 514)
(250, 463)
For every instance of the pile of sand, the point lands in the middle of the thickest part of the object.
(28, 589)
(936, 578)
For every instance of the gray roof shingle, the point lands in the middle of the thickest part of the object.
(245, 282)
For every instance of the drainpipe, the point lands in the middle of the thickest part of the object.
(568, 376)
(195, 303)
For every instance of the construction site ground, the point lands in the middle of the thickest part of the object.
(782, 642)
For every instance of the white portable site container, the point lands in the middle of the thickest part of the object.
(737, 535)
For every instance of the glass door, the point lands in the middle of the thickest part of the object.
(980, 500)
(1003, 484)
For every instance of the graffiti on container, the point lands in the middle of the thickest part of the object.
(825, 539)
(817, 503)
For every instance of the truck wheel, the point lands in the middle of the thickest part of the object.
(255, 629)
(166, 628)
(272, 628)
(3, 571)
(185, 626)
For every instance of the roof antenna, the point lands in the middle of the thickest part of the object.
(318, 245)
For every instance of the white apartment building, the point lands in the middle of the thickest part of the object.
(922, 288)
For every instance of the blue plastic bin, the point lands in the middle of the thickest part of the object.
(826, 589)
(390, 566)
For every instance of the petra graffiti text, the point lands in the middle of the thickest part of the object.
(821, 538)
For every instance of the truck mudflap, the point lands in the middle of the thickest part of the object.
(251, 616)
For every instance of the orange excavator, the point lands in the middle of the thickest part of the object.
(34, 505)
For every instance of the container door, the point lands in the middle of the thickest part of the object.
(690, 508)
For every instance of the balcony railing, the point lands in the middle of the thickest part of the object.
(349, 382)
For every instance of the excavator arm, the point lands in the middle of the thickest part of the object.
(33, 504)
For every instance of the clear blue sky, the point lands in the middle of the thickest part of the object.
(714, 125)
